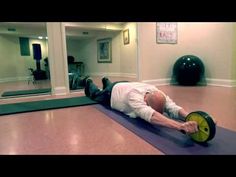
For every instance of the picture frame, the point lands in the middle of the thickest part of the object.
(166, 33)
(126, 36)
(104, 50)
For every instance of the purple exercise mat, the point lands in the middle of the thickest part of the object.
(173, 142)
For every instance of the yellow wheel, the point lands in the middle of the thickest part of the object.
(206, 126)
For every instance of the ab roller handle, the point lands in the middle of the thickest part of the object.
(206, 126)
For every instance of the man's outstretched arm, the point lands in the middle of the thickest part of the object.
(160, 119)
(183, 114)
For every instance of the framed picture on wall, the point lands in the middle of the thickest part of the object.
(166, 33)
(126, 36)
(104, 50)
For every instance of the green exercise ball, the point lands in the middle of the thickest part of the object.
(188, 70)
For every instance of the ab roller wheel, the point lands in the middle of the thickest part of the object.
(206, 126)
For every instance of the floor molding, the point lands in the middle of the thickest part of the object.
(158, 81)
(130, 75)
(60, 91)
(212, 82)
(221, 82)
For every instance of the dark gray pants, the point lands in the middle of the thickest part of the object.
(103, 96)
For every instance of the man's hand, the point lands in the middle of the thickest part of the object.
(189, 127)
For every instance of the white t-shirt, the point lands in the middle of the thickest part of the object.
(128, 97)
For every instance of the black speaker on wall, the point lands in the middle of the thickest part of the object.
(37, 51)
(37, 55)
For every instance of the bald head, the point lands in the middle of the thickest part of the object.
(156, 100)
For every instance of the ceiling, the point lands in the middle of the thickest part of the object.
(23, 29)
(76, 30)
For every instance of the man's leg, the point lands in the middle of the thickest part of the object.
(105, 82)
(83, 80)
(90, 88)
(101, 96)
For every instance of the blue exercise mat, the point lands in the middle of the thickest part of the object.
(173, 142)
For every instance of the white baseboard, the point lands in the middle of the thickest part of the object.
(130, 75)
(158, 81)
(213, 82)
(60, 91)
(221, 82)
(166, 81)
